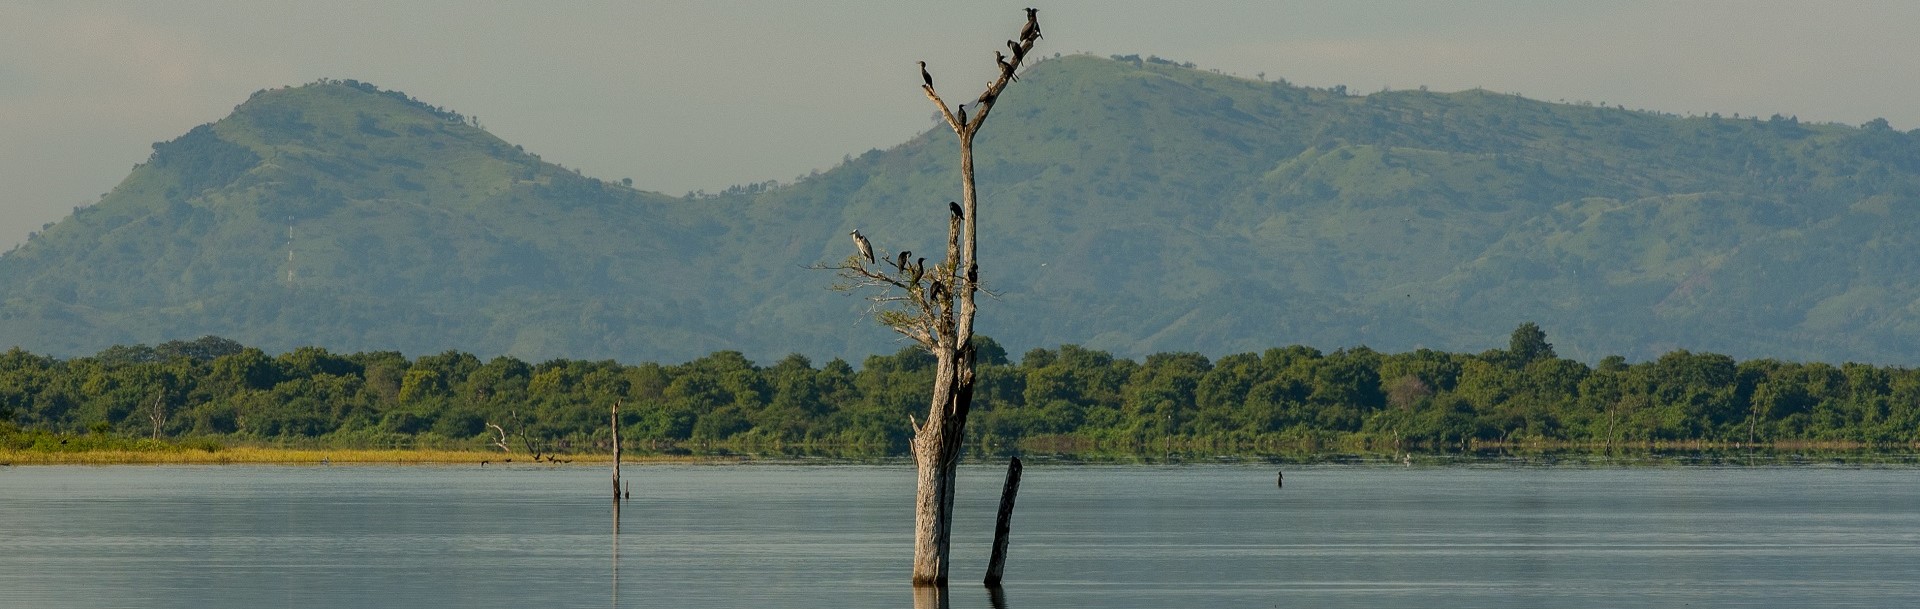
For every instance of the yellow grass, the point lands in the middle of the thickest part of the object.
(305, 456)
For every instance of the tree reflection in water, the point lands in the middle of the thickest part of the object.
(935, 597)
(616, 554)
(929, 597)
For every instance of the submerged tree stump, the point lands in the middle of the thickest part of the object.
(1003, 525)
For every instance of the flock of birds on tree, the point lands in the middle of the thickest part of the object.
(1008, 65)
(931, 294)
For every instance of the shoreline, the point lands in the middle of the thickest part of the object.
(312, 456)
(1702, 453)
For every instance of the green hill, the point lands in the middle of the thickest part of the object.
(1129, 205)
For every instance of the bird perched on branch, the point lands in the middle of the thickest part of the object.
(860, 243)
(963, 113)
(925, 76)
(1005, 68)
(919, 270)
(901, 263)
(954, 208)
(1031, 31)
(1017, 50)
(937, 291)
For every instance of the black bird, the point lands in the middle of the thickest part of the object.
(954, 208)
(924, 76)
(1031, 31)
(973, 274)
(963, 114)
(1018, 51)
(937, 290)
(902, 262)
(1282, 483)
(919, 270)
(1005, 68)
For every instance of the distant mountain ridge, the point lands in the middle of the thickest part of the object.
(1129, 205)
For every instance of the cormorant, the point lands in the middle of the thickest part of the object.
(925, 76)
(963, 114)
(919, 270)
(954, 208)
(1005, 68)
(866, 249)
(1018, 51)
(1031, 31)
(936, 291)
(902, 262)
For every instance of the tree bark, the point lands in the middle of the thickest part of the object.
(614, 423)
(940, 318)
(1003, 524)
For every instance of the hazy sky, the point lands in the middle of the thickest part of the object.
(701, 95)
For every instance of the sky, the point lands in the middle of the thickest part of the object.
(701, 95)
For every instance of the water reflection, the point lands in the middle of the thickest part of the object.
(616, 554)
(929, 597)
(935, 597)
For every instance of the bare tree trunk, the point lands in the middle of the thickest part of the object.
(1003, 525)
(936, 309)
(157, 413)
(936, 444)
(615, 425)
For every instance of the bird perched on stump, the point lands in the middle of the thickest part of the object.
(1005, 68)
(1031, 31)
(860, 243)
(926, 76)
(963, 113)
(953, 207)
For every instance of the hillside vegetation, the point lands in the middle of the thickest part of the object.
(1132, 206)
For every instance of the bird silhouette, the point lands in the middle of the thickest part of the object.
(926, 76)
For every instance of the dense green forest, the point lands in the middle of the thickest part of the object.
(1132, 205)
(1287, 398)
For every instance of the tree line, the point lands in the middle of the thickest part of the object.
(214, 388)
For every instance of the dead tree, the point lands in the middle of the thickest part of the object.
(614, 424)
(499, 441)
(935, 308)
(157, 414)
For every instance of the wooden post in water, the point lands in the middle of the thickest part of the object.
(1003, 525)
(614, 421)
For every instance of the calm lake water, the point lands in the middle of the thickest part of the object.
(839, 536)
